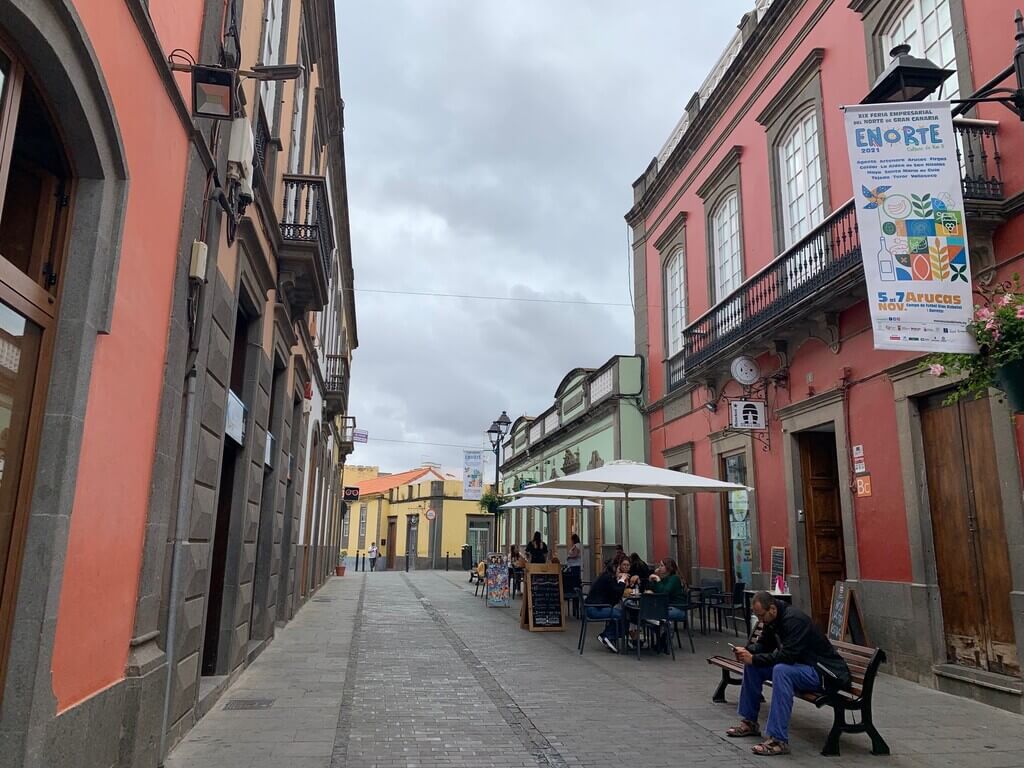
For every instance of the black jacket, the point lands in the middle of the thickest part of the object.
(605, 590)
(793, 639)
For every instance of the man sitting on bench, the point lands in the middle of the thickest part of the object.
(796, 657)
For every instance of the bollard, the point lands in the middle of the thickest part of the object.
(446, 561)
(407, 562)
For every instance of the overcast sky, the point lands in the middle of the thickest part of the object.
(491, 148)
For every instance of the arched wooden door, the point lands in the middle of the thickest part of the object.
(35, 191)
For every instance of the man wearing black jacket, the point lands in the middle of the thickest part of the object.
(796, 657)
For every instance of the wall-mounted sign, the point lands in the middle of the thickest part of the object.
(910, 213)
(863, 485)
(431, 514)
(859, 467)
(472, 475)
(350, 493)
(858, 451)
(268, 451)
(748, 414)
(234, 418)
(360, 436)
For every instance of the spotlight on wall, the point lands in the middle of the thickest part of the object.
(273, 72)
(712, 407)
(213, 93)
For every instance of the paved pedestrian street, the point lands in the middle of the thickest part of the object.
(398, 670)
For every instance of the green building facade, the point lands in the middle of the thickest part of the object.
(597, 417)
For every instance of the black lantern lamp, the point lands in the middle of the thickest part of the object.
(907, 78)
(496, 433)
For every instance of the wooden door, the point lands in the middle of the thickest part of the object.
(971, 556)
(823, 519)
(392, 536)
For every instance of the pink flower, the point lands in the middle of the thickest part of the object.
(992, 324)
(983, 313)
(1020, 312)
(1005, 300)
(936, 370)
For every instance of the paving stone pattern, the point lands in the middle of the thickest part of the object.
(397, 670)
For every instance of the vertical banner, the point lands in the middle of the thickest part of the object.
(472, 475)
(913, 237)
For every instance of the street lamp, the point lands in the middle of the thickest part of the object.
(909, 78)
(496, 433)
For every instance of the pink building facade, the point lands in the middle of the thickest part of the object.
(746, 245)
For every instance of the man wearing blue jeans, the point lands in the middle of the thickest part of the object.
(797, 657)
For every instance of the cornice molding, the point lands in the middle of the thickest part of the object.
(823, 400)
(678, 223)
(780, 103)
(727, 166)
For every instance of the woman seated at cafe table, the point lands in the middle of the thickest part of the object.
(665, 581)
(606, 591)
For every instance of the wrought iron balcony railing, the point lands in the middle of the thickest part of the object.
(980, 161)
(829, 252)
(307, 214)
(826, 253)
(336, 383)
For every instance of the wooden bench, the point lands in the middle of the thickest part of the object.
(863, 663)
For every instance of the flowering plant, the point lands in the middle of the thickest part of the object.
(998, 327)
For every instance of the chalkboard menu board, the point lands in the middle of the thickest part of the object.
(778, 565)
(542, 599)
(844, 616)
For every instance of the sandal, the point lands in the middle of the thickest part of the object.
(770, 748)
(744, 729)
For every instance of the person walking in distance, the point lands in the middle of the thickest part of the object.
(373, 553)
(797, 657)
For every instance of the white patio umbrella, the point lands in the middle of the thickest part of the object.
(631, 478)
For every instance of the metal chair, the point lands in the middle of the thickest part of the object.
(687, 609)
(584, 620)
(727, 606)
(654, 621)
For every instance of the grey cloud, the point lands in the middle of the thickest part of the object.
(491, 148)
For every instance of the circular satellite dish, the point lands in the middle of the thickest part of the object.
(745, 370)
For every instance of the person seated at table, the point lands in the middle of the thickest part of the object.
(620, 555)
(537, 550)
(637, 567)
(606, 591)
(623, 572)
(797, 657)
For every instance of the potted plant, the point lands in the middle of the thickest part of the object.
(998, 327)
(340, 568)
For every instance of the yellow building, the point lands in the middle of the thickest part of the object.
(420, 512)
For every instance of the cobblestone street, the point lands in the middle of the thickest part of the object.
(394, 669)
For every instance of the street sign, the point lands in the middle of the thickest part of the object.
(360, 436)
(431, 514)
(748, 414)
(351, 493)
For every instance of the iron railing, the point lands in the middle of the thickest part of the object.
(261, 143)
(348, 427)
(828, 252)
(980, 162)
(337, 373)
(306, 214)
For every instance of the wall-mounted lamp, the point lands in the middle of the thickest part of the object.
(711, 406)
(213, 92)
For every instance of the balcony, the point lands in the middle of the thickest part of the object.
(346, 435)
(336, 385)
(307, 234)
(821, 274)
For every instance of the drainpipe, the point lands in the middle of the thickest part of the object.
(177, 549)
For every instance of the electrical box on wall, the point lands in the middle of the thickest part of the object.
(240, 153)
(197, 264)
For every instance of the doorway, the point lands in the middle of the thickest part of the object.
(971, 557)
(477, 538)
(736, 534)
(35, 193)
(823, 518)
(392, 536)
(411, 541)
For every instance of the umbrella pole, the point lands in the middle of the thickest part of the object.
(625, 521)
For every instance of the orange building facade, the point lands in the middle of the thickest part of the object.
(173, 427)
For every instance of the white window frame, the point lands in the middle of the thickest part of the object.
(675, 301)
(272, 28)
(801, 178)
(927, 27)
(726, 245)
